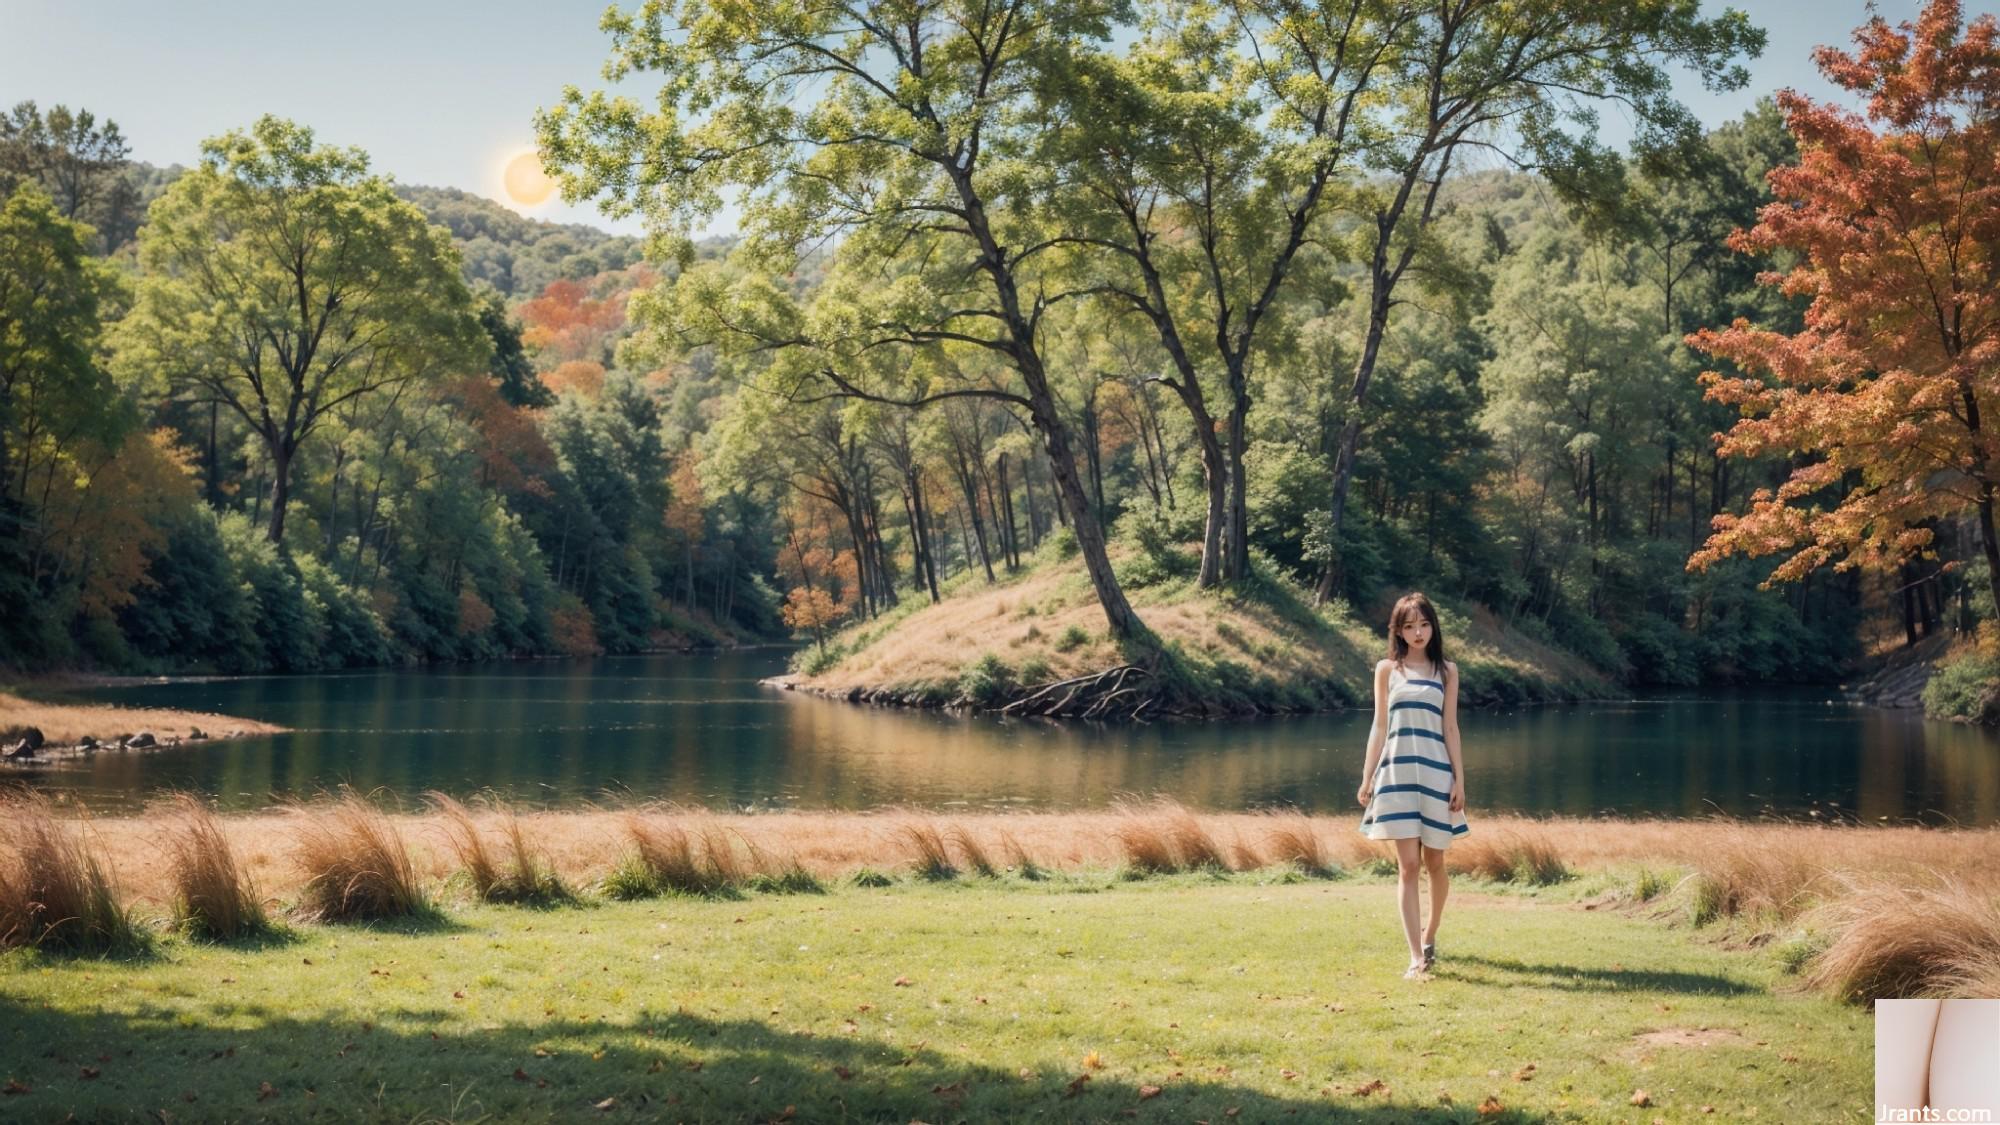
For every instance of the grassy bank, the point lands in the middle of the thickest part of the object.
(1257, 646)
(1081, 996)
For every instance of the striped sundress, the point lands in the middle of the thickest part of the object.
(1413, 782)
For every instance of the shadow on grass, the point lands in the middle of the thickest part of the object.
(182, 1062)
(1581, 979)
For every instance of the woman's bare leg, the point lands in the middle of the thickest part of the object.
(1408, 866)
(1440, 886)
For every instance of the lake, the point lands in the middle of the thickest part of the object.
(699, 728)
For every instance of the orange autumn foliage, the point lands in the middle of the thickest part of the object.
(565, 323)
(102, 514)
(513, 455)
(1894, 216)
(579, 375)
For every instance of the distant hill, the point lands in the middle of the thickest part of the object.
(516, 255)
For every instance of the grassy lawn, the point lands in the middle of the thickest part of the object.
(1082, 998)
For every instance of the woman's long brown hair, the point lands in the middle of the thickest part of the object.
(1411, 605)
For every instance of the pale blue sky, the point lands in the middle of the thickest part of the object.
(442, 93)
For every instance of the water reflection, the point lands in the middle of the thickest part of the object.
(700, 729)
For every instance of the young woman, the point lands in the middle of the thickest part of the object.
(1413, 785)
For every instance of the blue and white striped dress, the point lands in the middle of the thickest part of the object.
(1413, 782)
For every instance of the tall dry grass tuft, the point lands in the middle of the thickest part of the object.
(933, 857)
(54, 893)
(670, 856)
(1164, 837)
(1291, 839)
(213, 895)
(976, 856)
(1897, 940)
(1741, 871)
(524, 876)
(1524, 855)
(354, 862)
(1018, 857)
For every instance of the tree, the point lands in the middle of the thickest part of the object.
(1474, 73)
(1207, 154)
(1893, 379)
(80, 163)
(901, 147)
(284, 282)
(510, 367)
(53, 391)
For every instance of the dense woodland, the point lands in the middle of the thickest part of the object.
(272, 411)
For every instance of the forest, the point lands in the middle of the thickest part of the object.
(1346, 297)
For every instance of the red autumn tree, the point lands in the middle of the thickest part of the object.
(1895, 220)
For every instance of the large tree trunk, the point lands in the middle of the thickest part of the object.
(1350, 432)
(1236, 560)
(281, 491)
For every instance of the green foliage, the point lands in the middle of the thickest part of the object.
(1161, 556)
(987, 680)
(1964, 687)
(1073, 637)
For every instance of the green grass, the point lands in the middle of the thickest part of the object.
(1275, 998)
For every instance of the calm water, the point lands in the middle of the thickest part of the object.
(699, 728)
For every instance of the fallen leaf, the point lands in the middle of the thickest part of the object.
(1232, 1111)
(265, 1090)
(787, 1115)
(1076, 1085)
(1708, 1109)
(458, 994)
(1525, 1073)
(1287, 1073)
(902, 982)
(1788, 1058)
(656, 1066)
(15, 1087)
(842, 1073)
(952, 1092)
(608, 1103)
(520, 1075)
(1641, 1097)
(1148, 1092)
(541, 1052)
(1373, 1086)
(1093, 1062)
(754, 1079)
(87, 1072)
(1490, 1107)
(695, 1065)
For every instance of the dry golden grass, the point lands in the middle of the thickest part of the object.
(523, 876)
(212, 896)
(65, 724)
(696, 857)
(1292, 839)
(1897, 940)
(1903, 907)
(584, 844)
(976, 857)
(353, 861)
(933, 858)
(56, 891)
(1523, 854)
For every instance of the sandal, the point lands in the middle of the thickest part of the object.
(1430, 954)
(1416, 972)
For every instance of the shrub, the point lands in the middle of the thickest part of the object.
(986, 681)
(1291, 839)
(1073, 637)
(1034, 671)
(869, 877)
(1965, 687)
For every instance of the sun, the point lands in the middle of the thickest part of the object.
(526, 183)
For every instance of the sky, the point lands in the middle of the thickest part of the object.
(443, 94)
